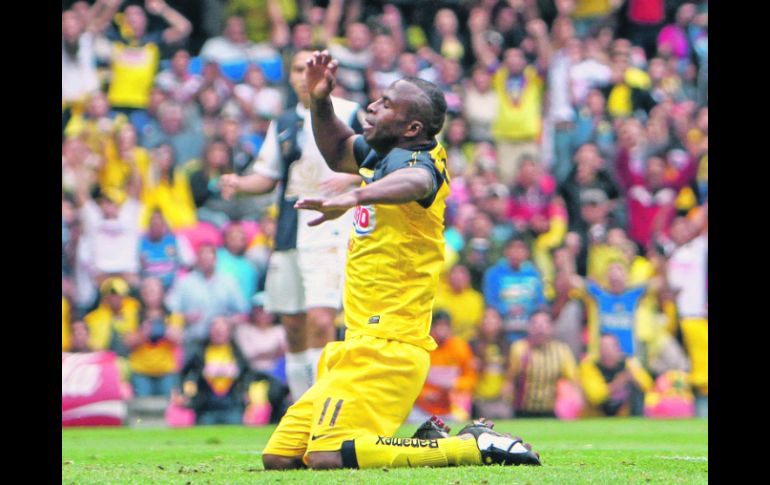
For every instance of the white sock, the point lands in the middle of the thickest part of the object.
(297, 374)
(313, 357)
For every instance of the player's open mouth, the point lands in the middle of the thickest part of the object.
(367, 125)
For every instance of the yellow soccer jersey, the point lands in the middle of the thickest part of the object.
(396, 251)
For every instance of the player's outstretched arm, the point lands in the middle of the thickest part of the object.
(333, 137)
(399, 187)
(256, 184)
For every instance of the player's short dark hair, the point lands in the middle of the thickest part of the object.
(432, 116)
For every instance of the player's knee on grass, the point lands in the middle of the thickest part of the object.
(276, 462)
(324, 460)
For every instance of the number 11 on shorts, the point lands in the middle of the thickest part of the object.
(335, 413)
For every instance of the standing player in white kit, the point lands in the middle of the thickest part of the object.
(305, 275)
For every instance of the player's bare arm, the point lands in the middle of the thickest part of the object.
(333, 137)
(399, 187)
(232, 184)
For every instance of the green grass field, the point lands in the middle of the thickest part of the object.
(589, 451)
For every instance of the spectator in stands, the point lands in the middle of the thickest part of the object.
(480, 104)
(123, 160)
(514, 288)
(167, 189)
(154, 345)
(231, 260)
(136, 51)
(111, 231)
(272, 27)
(207, 193)
(593, 125)
(480, 250)
(651, 198)
(79, 338)
(203, 294)
(161, 253)
(614, 384)
(241, 143)
(688, 278)
(177, 81)
(234, 46)
(568, 313)
(451, 378)
(262, 341)
(383, 68)
(186, 138)
(216, 377)
(614, 309)
(354, 56)
(258, 101)
(79, 78)
(519, 86)
(463, 304)
(590, 172)
(535, 365)
(116, 317)
(490, 351)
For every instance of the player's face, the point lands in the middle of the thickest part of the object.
(386, 119)
(297, 76)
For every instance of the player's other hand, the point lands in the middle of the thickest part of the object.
(320, 75)
(329, 208)
(228, 184)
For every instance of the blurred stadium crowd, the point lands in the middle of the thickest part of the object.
(576, 230)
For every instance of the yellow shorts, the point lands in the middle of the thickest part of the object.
(366, 386)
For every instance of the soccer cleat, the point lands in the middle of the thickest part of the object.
(497, 448)
(432, 429)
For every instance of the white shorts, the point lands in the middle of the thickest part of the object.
(299, 279)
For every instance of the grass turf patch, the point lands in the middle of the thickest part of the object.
(579, 452)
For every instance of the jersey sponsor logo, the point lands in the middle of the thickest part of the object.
(366, 172)
(363, 220)
(407, 442)
(374, 319)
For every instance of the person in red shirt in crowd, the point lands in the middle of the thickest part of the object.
(651, 197)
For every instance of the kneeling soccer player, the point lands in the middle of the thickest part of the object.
(368, 383)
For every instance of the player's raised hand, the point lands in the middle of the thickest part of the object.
(320, 74)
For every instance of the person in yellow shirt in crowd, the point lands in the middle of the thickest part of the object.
(451, 378)
(123, 160)
(536, 364)
(136, 51)
(167, 189)
(116, 316)
(519, 122)
(464, 305)
(613, 383)
(154, 344)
